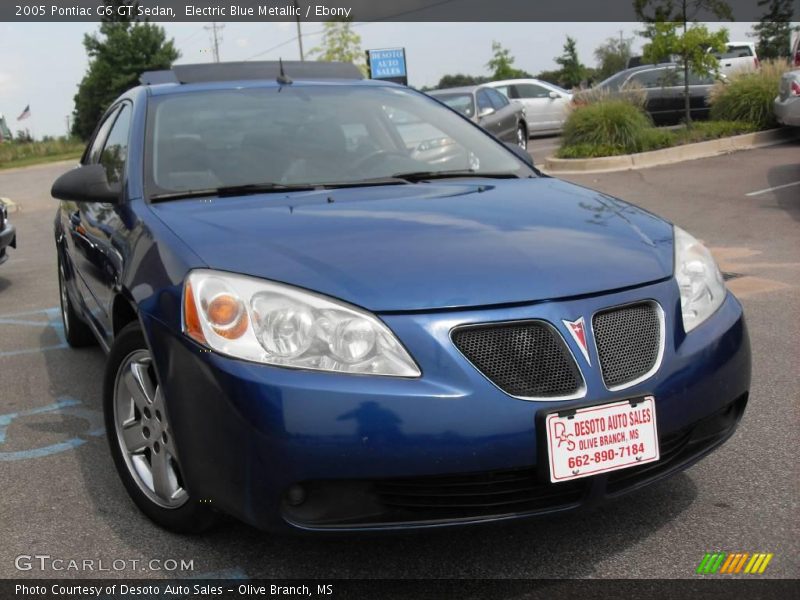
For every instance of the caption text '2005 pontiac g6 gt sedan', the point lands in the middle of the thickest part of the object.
(317, 319)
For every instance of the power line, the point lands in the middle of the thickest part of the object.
(216, 38)
(299, 36)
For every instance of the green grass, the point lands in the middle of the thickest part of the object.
(749, 96)
(653, 138)
(23, 154)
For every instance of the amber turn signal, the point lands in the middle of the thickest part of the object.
(191, 320)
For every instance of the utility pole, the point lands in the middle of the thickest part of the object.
(299, 33)
(216, 38)
(69, 131)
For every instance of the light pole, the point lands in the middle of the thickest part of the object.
(299, 32)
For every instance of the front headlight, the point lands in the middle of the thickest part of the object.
(701, 284)
(277, 324)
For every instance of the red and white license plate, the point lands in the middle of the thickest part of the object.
(599, 439)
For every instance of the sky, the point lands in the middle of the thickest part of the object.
(41, 64)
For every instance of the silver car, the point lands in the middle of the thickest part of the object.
(787, 103)
(546, 105)
(490, 109)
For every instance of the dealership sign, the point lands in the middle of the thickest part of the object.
(388, 64)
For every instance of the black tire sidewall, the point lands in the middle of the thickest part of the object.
(77, 333)
(191, 517)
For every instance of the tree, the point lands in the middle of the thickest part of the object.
(501, 64)
(340, 43)
(612, 56)
(458, 80)
(123, 49)
(694, 45)
(774, 29)
(572, 71)
(552, 76)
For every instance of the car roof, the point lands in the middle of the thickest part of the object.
(175, 88)
(464, 89)
(252, 74)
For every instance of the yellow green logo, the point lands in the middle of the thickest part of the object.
(734, 562)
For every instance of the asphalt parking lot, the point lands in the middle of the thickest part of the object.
(61, 496)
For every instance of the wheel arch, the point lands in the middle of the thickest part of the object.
(123, 312)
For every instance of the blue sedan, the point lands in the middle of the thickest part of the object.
(312, 323)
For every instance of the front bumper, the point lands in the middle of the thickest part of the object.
(787, 111)
(247, 433)
(8, 237)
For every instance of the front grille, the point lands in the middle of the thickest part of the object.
(476, 494)
(526, 359)
(628, 341)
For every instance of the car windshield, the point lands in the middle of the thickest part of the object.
(311, 135)
(460, 102)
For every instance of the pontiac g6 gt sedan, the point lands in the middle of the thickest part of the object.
(310, 327)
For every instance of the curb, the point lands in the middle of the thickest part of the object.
(666, 156)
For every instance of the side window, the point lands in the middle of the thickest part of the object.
(506, 90)
(646, 79)
(671, 78)
(93, 155)
(531, 90)
(484, 102)
(736, 52)
(695, 79)
(497, 99)
(115, 152)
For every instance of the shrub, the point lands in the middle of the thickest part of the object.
(711, 130)
(588, 151)
(612, 122)
(633, 94)
(655, 139)
(748, 96)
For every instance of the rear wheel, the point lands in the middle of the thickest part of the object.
(141, 438)
(76, 331)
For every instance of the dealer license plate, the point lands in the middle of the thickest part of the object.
(599, 439)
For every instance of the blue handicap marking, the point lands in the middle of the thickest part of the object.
(53, 321)
(64, 405)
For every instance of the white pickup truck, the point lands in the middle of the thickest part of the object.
(738, 57)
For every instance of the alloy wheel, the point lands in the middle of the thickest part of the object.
(144, 434)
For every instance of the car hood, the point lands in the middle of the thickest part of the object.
(445, 244)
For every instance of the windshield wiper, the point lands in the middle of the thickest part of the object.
(415, 176)
(234, 190)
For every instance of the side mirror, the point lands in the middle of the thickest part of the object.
(521, 154)
(87, 183)
(485, 112)
(554, 95)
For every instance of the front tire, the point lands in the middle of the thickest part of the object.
(141, 439)
(76, 331)
(522, 136)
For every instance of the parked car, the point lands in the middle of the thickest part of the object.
(8, 233)
(546, 105)
(310, 329)
(739, 57)
(787, 102)
(663, 85)
(490, 109)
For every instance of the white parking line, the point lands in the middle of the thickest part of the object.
(772, 189)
